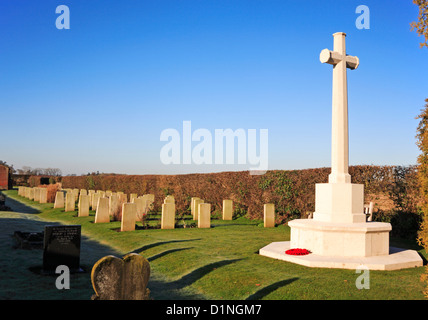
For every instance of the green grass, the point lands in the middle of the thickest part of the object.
(217, 263)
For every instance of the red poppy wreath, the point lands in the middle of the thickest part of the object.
(297, 252)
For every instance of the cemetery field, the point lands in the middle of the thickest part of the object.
(221, 262)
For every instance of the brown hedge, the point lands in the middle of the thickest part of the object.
(292, 191)
(35, 181)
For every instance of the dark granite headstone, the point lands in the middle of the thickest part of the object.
(61, 246)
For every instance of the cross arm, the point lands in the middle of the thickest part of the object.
(333, 58)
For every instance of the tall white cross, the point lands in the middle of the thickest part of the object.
(339, 135)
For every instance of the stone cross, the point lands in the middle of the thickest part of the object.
(340, 144)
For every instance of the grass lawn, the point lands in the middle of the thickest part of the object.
(189, 263)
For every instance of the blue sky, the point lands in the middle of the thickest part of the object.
(98, 95)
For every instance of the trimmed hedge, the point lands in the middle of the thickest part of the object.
(35, 181)
(292, 191)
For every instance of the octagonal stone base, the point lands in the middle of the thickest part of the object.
(395, 260)
(341, 239)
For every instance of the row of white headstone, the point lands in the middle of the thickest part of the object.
(202, 212)
(36, 194)
(107, 204)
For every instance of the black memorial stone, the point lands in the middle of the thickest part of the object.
(61, 246)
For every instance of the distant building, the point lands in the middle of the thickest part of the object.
(5, 177)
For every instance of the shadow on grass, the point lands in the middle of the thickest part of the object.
(17, 206)
(160, 255)
(270, 288)
(197, 274)
(152, 245)
(25, 282)
(424, 261)
(173, 290)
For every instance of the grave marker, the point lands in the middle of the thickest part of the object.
(269, 215)
(168, 216)
(129, 213)
(102, 214)
(113, 204)
(123, 198)
(192, 206)
(227, 209)
(76, 194)
(31, 194)
(61, 246)
(43, 195)
(132, 196)
(59, 199)
(70, 204)
(121, 279)
(197, 202)
(94, 202)
(37, 194)
(83, 205)
(141, 206)
(204, 215)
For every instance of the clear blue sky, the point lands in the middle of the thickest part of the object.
(98, 96)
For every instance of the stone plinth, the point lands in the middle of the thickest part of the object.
(340, 239)
(339, 202)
